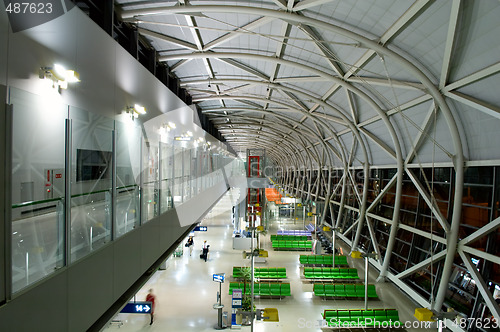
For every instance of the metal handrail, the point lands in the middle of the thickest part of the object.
(15, 206)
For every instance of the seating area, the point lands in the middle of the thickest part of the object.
(291, 245)
(263, 288)
(294, 232)
(323, 260)
(263, 272)
(362, 318)
(344, 290)
(278, 237)
(330, 273)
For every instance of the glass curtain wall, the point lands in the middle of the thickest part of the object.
(128, 168)
(38, 186)
(91, 181)
(116, 178)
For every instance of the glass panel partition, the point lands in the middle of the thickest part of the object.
(150, 192)
(167, 164)
(177, 174)
(91, 181)
(128, 168)
(38, 186)
(187, 174)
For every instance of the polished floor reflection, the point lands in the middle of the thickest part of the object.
(186, 292)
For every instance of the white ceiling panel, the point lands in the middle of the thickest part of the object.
(478, 38)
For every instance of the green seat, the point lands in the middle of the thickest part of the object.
(264, 289)
(343, 316)
(392, 314)
(340, 290)
(350, 291)
(285, 289)
(360, 290)
(356, 316)
(379, 315)
(319, 289)
(303, 259)
(330, 290)
(275, 289)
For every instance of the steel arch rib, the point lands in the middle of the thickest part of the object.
(458, 157)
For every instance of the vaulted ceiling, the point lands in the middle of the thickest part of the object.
(337, 82)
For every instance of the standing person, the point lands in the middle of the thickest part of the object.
(205, 250)
(151, 298)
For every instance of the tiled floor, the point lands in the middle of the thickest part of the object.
(186, 293)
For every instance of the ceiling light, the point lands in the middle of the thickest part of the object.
(171, 125)
(140, 109)
(190, 134)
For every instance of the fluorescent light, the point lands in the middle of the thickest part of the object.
(190, 134)
(172, 125)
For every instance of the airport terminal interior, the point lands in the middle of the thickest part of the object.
(275, 165)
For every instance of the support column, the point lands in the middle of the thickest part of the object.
(5, 197)
(452, 236)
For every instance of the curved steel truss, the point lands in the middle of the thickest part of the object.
(325, 85)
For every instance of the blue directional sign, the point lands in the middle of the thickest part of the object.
(137, 308)
(219, 277)
(200, 228)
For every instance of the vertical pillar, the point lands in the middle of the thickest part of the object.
(5, 198)
(67, 193)
(113, 186)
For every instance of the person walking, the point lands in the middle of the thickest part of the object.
(190, 244)
(205, 250)
(151, 298)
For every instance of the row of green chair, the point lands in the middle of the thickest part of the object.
(292, 245)
(330, 273)
(344, 290)
(361, 318)
(275, 237)
(263, 272)
(263, 288)
(322, 260)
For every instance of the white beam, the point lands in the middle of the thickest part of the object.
(422, 233)
(415, 268)
(480, 105)
(305, 4)
(421, 134)
(178, 64)
(172, 40)
(280, 3)
(384, 82)
(479, 75)
(245, 68)
(382, 193)
(490, 227)
(427, 198)
(236, 33)
(481, 286)
(450, 41)
(323, 48)
(381, 144)
(481, 254)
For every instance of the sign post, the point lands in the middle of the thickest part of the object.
(219, 277)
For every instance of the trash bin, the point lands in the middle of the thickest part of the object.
(225, 322)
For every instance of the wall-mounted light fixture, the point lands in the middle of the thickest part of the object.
(136, 110)
(59, 76)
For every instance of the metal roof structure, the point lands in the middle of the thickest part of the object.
(349, 84)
